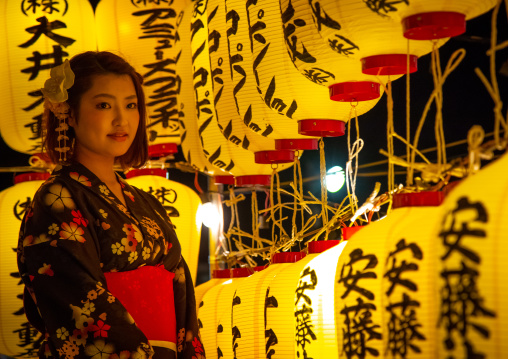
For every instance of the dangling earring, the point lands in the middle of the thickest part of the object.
(62, 138)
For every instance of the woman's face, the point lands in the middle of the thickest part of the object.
(107, 120)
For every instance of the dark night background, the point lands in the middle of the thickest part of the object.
(466, 103)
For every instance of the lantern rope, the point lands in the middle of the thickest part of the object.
(409, 179)
(452, 64)
(353, 152)
(324, 194)
(389, 134)
(492, 86)
(438, 124)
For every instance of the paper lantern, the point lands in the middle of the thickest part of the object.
(181, 204)
(147, 34)
(384, 292)
(192, 147)
(226, 333)
(218, 276)
(471, 266)
(34, 38)
(319, 63)
(352, 29)
(255, 338)
(237, 118)
(217, 149)
(18, 337)
(271, 81)
(428, 20)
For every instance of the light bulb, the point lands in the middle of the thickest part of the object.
(335, 178)
(209, 215)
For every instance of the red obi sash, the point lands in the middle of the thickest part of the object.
(147, 294)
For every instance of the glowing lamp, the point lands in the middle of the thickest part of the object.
(146, 33)
(218, 276)
(430, 20)
(18, 337)
(34, 38)
(470, 274)
(386, 275)
(209, 215)
(335, 179)
(181, 204)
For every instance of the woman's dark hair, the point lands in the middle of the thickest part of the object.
(86, 66)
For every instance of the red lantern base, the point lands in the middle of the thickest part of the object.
(296, 144)
(31, 176)
(224, 180)
(321, 128)
(287, 257)
(162, 150)
(347, 232)
(354, 91)
(221, 273)
(434, 25)
(390, 64)
(147, 172)
(254, 180)
(279, 156)
(420, 199)
(315, 247)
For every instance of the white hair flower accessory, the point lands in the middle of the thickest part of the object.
(61, 79)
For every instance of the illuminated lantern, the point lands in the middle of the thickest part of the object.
(322, 64)
(355, 30)
(428, 20)
(34, 38)
(470, 275)
(19, 338)
(226, 333)
(218, 276)
(237, 118)
(385, 282)
(192, 147)
(217, 149)
(255, 302)
(181, 204)
(272, 83)
(147, 34)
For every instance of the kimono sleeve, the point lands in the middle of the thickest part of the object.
(59, 262)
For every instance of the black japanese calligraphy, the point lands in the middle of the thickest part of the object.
(304, 331)
(270, 336)
(20, 208)
(462, 303)
(46, 28)
(350, 278)
(318, 76)
(359, 329)
(45, 6)
(394, 273)
(384, 7)
(37, 58)
(290, 25)
(403, 327)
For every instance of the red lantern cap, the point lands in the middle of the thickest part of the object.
(162, 150)
(390, 64)
(354, 91)
(347, 232)
(221, 273)
(279, 156)
(420, 199)
(247, 181)
(287, 257)
(321, 128)
(296, 144)
(434, 25)
(245, 272)
(147, 172)
(31, 176)
(321, 246)
(224, 180)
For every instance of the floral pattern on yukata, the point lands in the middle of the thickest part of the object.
(75, 230)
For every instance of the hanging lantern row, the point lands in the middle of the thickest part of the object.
(425, 282)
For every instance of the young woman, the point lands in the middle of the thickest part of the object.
(101, 263)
